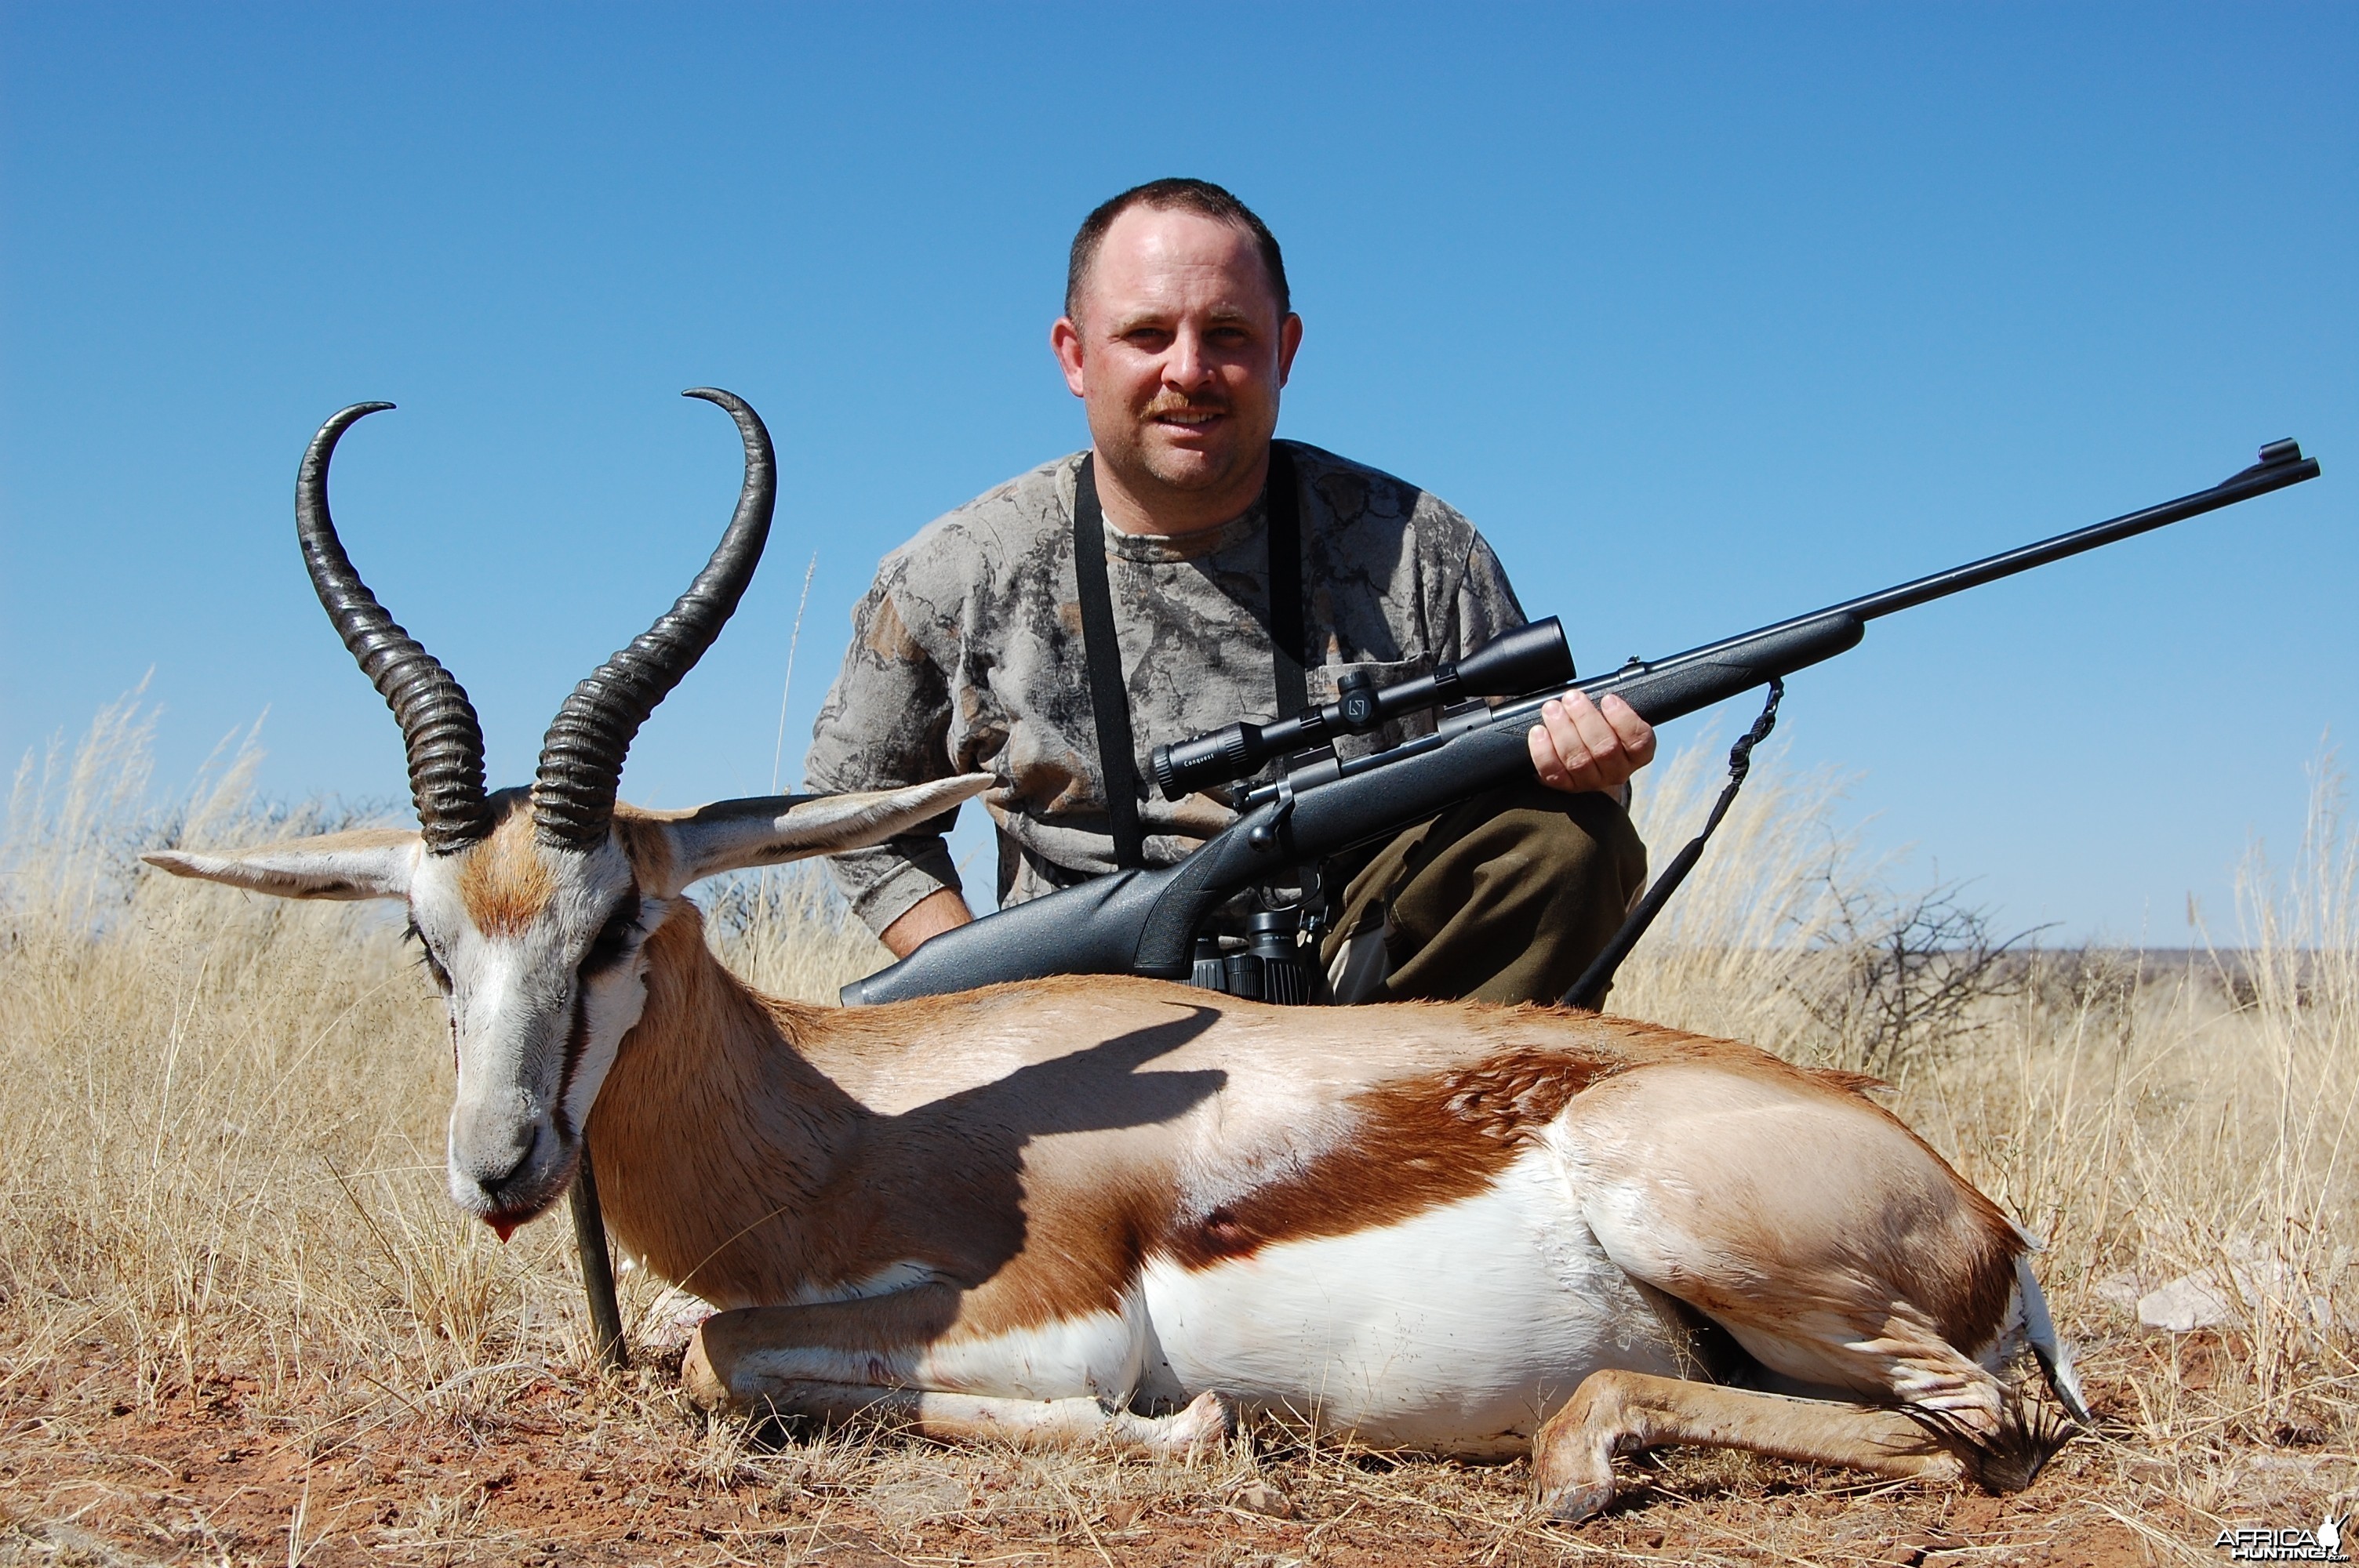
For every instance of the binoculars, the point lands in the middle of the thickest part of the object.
(1270, 965)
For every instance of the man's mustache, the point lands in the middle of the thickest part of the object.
(1170, 403)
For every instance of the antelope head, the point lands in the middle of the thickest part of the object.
(533, 907)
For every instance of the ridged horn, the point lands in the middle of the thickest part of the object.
(438, 723)
(582, 756)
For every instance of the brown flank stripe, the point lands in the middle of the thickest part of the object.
(1417, 1144)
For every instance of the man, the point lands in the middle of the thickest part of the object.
(968, 653)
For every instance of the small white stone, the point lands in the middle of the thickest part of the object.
(2186, 1303)
(2205, 1299)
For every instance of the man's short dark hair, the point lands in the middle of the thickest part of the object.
(1198, 196)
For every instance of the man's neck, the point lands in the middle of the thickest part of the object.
(1155, 509)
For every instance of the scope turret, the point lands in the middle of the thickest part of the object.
(1509, 665)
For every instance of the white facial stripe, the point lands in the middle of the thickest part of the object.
(611, 1004)
(535, 1039)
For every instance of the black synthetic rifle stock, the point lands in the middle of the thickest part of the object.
(1145, 922)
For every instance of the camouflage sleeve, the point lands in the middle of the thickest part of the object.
(1486, 602)
(885, 722)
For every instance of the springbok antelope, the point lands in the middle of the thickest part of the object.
(1125, 1211)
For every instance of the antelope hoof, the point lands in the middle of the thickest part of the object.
(1575, 1502)
(1210, 1420)
(704, 1387)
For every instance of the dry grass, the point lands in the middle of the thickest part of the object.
(239, 1321)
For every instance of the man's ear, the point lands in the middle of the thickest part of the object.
(1065, 343)
(372, 863)
(733, 835)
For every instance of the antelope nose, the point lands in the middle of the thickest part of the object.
(492, 1184)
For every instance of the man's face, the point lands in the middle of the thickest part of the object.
(1179, 354)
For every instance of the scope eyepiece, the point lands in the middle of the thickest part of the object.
(1180, 769)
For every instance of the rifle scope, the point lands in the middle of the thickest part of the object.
(1507, 665)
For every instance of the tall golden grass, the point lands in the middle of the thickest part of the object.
(222, 1141)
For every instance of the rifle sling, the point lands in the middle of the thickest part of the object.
(1286, 584)
(1588, 992)
(1110, 697)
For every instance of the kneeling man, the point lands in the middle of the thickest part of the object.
(972, 654)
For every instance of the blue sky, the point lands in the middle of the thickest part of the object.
(1707, 315)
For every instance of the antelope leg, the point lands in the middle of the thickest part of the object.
(1207, 1422)
(834, 1362)
(1621, 1412)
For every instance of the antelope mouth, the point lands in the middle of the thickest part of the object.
(529, 1192)
(511, 1215)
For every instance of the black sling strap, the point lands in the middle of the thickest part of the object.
(1286, 583)
(1110, 698)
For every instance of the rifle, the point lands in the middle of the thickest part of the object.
(1146, 922)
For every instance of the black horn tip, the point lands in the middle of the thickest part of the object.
(343, 416)
(761, 462)
(581, 754)
(343, 419)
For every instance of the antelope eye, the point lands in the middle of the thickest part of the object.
(613, 943)
(427, 960)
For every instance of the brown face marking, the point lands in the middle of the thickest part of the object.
(1417, 1144)
(505, 883)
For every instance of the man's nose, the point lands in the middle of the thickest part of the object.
(1186, 367)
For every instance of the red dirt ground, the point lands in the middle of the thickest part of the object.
(576, 1469)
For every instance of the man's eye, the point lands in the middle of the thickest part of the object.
(613, 943)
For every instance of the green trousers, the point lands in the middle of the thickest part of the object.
(1505, 898)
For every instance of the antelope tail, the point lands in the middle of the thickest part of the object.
(2055, 1358)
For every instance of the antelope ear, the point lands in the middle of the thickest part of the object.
(371, 863)
(733, 835)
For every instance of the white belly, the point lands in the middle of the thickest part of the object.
(1460, 1330)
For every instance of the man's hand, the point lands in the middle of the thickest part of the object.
(941, 910)
(1577, 746)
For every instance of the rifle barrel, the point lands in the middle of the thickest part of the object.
(1679, 683)
(2281, 464)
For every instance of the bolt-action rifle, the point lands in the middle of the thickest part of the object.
(1147, 922)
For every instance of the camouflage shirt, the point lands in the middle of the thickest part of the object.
(966, 656)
